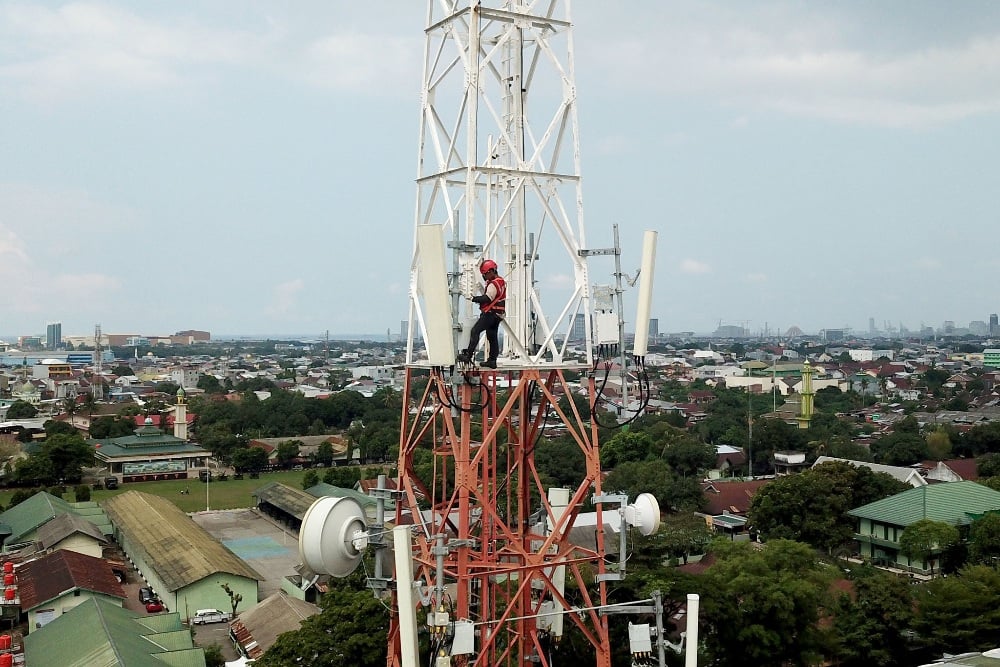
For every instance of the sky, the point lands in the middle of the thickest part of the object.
(247, 167)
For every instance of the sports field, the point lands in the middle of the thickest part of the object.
(230, 494)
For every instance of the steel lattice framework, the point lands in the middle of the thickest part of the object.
(499, 166)
(484, 549)
(499, 169)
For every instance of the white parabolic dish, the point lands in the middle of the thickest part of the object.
(328, 536)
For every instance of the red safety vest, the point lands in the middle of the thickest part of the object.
(499, 303)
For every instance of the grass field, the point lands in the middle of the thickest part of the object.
(229, 494)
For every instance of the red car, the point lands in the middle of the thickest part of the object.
(154, 606)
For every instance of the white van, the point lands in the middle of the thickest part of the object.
(210, 616)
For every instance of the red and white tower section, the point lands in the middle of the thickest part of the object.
(481, 542)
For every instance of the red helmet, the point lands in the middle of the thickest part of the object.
(487, 265)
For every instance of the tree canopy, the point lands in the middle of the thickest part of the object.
(761, 607)
(812, 506)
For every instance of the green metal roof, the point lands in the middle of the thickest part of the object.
(28, 515)
(951, 502)
(147, 440)
(324, 489)
(97, 633)
(294, 501)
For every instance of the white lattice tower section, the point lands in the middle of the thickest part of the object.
(499, 167)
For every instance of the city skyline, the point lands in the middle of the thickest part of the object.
(249, 168)
(986, 327)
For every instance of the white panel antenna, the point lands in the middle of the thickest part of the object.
(435, 317)
(645, 294)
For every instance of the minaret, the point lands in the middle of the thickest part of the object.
(808, 395)
(180, 416)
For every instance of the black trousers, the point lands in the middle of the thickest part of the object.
(490, 323)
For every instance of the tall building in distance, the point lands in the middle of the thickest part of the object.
(578, 331)
(654, 328)
(994, 325)
(53, 336)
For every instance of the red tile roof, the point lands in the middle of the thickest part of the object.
(49, 577)
(731, 497)
(964, 468)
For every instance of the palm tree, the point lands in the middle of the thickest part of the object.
(70, 407)
(90, 405)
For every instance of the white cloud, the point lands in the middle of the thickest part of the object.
(370, 62)
(810, 60)
(55, 54)
(284, 297)
(693, 266)
(51, 55)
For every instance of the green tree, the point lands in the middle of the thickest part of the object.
(812, 506)
(960, 613)
(89, 404)
(249, 459)
(626, 447)
(210, 384)
(925, 539)
(350, 630)
(939, 445)
(214, 657)
(687, 456)
(871, 628)
(656, 477)
(310, 479)
(761, 607)
(122, 370)
(111, 426)
(988, 465)
(324, 454)
(68, 455)
(70, 407)
(82, 493)
(286, 451)
(979, 440)
(21, 410)
(984, 539)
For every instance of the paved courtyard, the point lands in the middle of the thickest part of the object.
(264, 545)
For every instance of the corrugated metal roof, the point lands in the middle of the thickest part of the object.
(97, 633)
(288, 498)
(32, 513)
(65, 525)
(269, 618)
(46, 578)
(179, 550)
(950, 502)
(324, 489)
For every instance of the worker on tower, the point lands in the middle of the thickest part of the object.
(492, 304)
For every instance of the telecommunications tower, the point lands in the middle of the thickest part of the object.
(484, 545)
(499, 178)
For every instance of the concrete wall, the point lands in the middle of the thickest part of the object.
(209, 594)
(62, 604)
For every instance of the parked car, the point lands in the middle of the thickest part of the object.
(210, 616)
(154, 606)
(110, 482)
(205, 475)
(146, 595)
